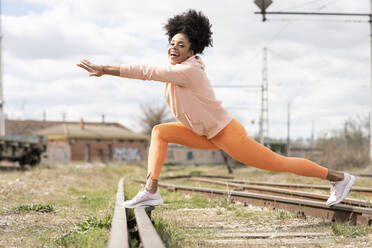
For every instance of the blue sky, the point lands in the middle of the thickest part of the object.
(20, 7)
(320, 65)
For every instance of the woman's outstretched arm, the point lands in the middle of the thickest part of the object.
(178, 74)
(99, 70)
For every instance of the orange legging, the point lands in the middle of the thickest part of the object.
(234, 141)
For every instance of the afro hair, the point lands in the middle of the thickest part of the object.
(195, 25)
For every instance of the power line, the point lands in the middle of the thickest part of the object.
(317, 20)
(301, 4)
(236, 86)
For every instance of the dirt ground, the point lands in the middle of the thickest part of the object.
(71, 198)
(71, 206)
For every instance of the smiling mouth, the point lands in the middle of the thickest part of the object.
(174, 55)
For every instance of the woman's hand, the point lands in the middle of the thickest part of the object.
(93, 69)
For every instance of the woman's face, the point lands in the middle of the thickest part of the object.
(179, 49)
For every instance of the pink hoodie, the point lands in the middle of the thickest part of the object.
(188, 93)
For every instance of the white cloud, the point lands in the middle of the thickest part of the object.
(321, 68)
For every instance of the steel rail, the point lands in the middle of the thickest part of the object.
(338, 212)
(360, 174)
(119, 235)
(190, 176)
(283, 192)
(147, 232)
(289, 185)
(119, 229)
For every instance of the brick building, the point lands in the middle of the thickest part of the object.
(93, 142)
(82, 141)
(101, 141)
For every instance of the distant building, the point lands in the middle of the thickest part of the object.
(83, 141)
(178, 154)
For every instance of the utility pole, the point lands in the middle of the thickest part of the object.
(312, 137)
(288, 130)
(370, 50)
(263, 129)
(264, 117)
(242, 87)
(264, 4)
(2, 117)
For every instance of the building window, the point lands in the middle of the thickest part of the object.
(190, 156)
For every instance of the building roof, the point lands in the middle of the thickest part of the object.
(25, 127)
(90, 131)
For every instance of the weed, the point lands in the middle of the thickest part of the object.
(350, 231)
(34, 207)
(93, 222)
(226, 202)
(283, 215)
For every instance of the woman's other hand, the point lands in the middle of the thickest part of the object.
(93, 69)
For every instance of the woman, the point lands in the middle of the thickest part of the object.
(203, 122)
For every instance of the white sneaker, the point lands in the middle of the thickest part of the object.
(340, 189)
(144, 198)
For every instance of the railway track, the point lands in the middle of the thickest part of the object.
(140, 228)
(339, 212)
(296, 186)
(362, 174)
(281, 192)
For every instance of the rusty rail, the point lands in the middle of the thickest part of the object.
(119, 236)
(283, 192)
(338, 212)
(191, 176)
(147, 232)
(361, 174)
(119, 229)
(289, 185)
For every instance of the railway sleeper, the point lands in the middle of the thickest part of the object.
(364, 219)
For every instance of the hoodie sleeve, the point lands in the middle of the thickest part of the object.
(176, 74)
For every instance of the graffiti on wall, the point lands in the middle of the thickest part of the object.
(125, 154)
(58, 153)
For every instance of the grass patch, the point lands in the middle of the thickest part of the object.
(175, 200)
(73, 195)
(34, 208)
(88, 233)
(171, 233)
(94, 200)
(348, 230)
(283, 215)
(225, 202)
(196, 173)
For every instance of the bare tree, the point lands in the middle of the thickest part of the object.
(153, 115)
(227, 159)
